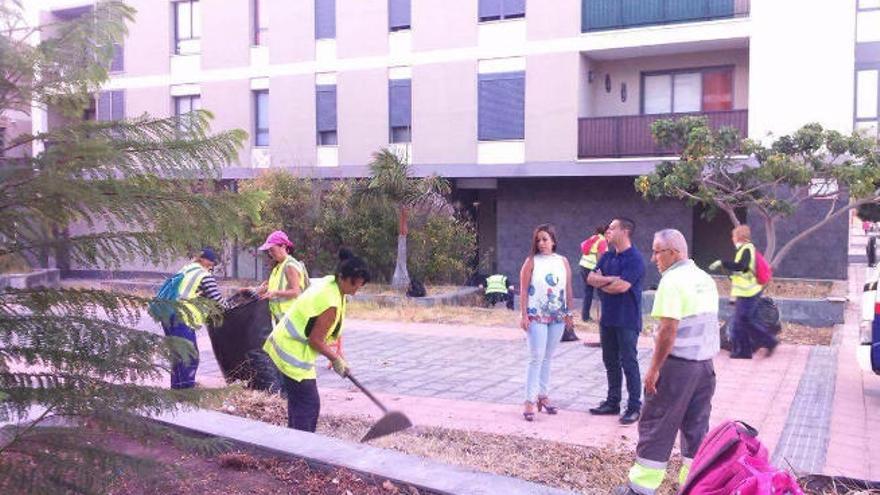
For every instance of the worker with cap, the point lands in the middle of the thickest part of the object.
(288, 277)
(198, 282)
(680, 380)
(310, 327)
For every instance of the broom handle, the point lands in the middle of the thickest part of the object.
(366, 392)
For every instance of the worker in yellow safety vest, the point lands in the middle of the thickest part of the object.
(498, 289)
(311, 325)
(197, 285)
(747, 332)
(680, 380)
(288, 277)
(591, 250)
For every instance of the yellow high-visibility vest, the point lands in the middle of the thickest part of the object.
(288, 344)
(591, 259)
(193, 274)
(745, 284)
(496, 284)
(278, 281)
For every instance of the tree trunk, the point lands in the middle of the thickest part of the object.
(770, 232)
(400, 279)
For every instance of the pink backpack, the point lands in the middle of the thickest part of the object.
(763, 270)
(732, 460)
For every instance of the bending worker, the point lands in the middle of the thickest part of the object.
(288, 277)
(198, 282)
(310, 327)
(498, 289)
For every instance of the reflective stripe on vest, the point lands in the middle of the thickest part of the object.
(496, 284)
(278, 281)
(646, 476)
(695, 334)
(744, 284)
(685, 470)
(193, 274)
(591, 259)
(288, 345)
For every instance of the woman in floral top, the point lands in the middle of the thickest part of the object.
(545, 307)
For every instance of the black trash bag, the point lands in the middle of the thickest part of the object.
(239, 339)
(264, 375)
(766, 312)
(416, 289)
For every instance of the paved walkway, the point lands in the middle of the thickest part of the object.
(815, 410)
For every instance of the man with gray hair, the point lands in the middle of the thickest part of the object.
(680, 382)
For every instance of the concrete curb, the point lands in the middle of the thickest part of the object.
(422, 473)
(49, 277)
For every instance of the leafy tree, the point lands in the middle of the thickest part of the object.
(141, 189)
(723, 172)
(390, 181)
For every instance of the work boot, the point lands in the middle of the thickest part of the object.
(605, 409)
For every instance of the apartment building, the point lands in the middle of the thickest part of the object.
(536, 110)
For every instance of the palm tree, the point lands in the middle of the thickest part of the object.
(390, 180)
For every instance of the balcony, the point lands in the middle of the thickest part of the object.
(630, 135)
(600, 15)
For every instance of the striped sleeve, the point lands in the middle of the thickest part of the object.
(209, 289)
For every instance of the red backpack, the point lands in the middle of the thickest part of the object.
(763, 270)
(731, 459)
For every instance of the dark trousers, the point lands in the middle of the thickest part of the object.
(183, 369)
(303, 404)
(748, 333)
(620, 355)
(588, 295)
(494, 298)
(683, 403)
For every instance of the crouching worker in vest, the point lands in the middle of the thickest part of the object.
(198, 281)
(680, 382)
(498, 289)
(310, 327)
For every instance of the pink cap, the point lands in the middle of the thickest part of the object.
(277, 238)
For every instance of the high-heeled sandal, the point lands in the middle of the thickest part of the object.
(529, 415)
(543, 403)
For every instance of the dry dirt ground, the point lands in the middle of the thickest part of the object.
(588, 470)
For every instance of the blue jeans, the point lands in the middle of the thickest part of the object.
(748, 333)
(542, 339)
(620, 352)
(183, 371)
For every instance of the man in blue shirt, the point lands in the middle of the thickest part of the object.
(618, 276)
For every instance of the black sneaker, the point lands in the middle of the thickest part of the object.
(605, 409)
(630, 416)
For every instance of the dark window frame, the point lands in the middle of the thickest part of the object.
(502, 16)
(407, 27)
(856, 119)
(117, 112)
(318, 24)
(258, 38)
(323, 137)
(260, 131)
(399, 128)
(685, 70)
(176, 9)
(480, 117)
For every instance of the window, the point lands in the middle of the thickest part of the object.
(867, 101)
(184, 105)
(398, 15)
(400, 110)
(325, 19)
(325, 96)
(501, 112)
(699, 90)
(869, 4)
(111, 105)
(495, 10)
(117, 64)
(187, 26)
(261, 118)
(261, 23)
